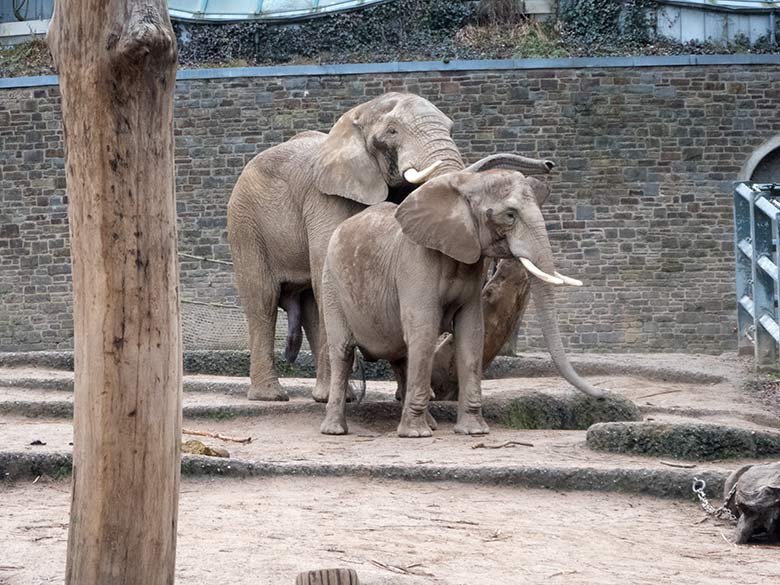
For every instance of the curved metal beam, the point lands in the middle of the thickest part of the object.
(264, 10)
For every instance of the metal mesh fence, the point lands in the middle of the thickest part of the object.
(215, 326)
(212, 325)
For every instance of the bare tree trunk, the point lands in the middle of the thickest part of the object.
(117, 65)
(504, 299)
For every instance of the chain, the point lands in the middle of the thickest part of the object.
(723, 512)
(204, 259)
(205, 304)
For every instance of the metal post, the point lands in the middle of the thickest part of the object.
(756, 231)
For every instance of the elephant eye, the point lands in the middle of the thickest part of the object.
(509, 217)
(392, 131)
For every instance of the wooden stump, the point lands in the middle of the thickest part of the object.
(117, 66)
(328, 577)
(504, 299)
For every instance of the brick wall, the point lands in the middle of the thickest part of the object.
(641, 206)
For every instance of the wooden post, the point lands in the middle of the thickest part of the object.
(117, 65)
(328, 577)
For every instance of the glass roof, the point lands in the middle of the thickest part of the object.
(232, 10)
(737, 5)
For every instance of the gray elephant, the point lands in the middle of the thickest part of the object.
(290, 198)
(395, 276)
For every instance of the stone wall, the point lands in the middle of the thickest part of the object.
(641, 206)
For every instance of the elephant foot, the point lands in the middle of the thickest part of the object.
(334, 425)
(430, 420)
(471, 424)
(271, 390)
(320, 392)
(414, 426)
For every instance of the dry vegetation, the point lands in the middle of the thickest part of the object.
(496, 29)
(30, 58)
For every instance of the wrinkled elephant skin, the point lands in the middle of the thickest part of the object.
(394, 274)
(290, 198)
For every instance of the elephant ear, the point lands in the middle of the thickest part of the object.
(437, 216)
(541, 189)
(513, 162)
(345, 167)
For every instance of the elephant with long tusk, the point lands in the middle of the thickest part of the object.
(394, 274)
(290, 198)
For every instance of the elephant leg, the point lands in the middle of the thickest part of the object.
(468, 357)
(314, 326)
(341, 357)
(319, 343)
(261, 310)
(399, 371)
(421, 329)
(341, 351)
(310, 319)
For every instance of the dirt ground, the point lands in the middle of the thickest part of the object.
(290, 432)
(263, 532)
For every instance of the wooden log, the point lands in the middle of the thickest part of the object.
(117, 65)
(328, 577)
(504, 300)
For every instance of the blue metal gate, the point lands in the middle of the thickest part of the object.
(756, 238)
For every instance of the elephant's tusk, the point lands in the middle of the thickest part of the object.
(416, 177)
(568, 279)
(540, 274)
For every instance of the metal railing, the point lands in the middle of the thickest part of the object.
(756, 239)
(271, 10)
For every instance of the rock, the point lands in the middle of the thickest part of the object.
(572, 411)
(756, 501)
(692, 441)
(195, 447)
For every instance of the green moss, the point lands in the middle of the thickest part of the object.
(691, 441)
(569, 412)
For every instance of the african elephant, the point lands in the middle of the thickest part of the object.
(290, 198)
(394, 276)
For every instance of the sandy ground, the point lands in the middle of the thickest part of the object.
(294, 436)
(253, 532)
(265, 531)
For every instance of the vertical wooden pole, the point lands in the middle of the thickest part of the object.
(117, 65)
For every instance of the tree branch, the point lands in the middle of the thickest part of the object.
(146, 33)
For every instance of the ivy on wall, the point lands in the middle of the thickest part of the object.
(372, 31)
(604, 22)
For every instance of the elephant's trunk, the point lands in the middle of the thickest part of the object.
(542, 294)
(442, 153)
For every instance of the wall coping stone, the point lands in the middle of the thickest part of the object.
(431, 66)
